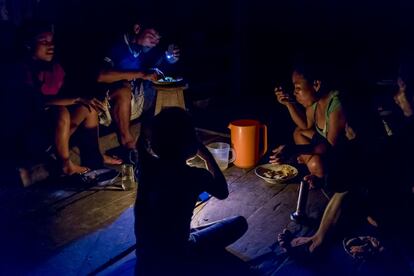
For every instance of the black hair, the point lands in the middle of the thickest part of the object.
(145, 21)
(31, 30)
(311, 71)
(173, 134)
(315, 68)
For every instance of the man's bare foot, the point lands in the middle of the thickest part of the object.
(69, 168)
(313, 242)
(111, 160)
(300, 245)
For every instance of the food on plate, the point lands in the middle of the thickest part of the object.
(362, 247)
(281, 172)
(169, 79)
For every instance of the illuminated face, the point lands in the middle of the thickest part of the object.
(149, 38)
(304, 91)
(44, 47)
(401, 100)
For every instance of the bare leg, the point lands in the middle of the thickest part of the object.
(313, 162)
(89, 119)
(301, 140)
(62, 135)
(315, 166)
(82, 115)
(121, 99)
(329, 219)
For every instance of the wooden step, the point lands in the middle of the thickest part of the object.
(38, 172)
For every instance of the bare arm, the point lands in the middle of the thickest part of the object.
(336, 126)
(89, 103)
(110, 76)
(61, 101)
(219, 187)
(297, 115)
(331, 215)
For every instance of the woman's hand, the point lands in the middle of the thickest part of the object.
(91, 104)
(280, 154)
(283, 97)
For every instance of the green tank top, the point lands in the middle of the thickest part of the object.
(333, 104)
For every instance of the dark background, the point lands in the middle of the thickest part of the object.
(235, 52)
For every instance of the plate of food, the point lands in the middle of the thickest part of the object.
(276, 173)
(167, 81)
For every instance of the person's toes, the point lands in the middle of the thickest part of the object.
(109, 160)
(284, 238)
(76, 170)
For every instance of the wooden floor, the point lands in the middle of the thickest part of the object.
(267, 208)
(70, 229)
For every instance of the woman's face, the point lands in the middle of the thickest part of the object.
(44, 47)
(401, 99)
(304, 91)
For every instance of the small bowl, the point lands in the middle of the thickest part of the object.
(261, 170)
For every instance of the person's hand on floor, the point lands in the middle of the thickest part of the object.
(300, 245)
(313, 242)
(281, 154)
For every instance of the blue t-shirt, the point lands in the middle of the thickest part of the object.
(126, 56)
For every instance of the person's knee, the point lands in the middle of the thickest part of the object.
(62, 115)
(90, 113)
(297, 136)
(315, 166)
(239, 223)
(243, 225)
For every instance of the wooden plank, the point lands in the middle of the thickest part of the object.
(35, 173)
(247, 194)
(110, 141)
(271, 218)
(86, 216)
(58, 216)
(267, 208)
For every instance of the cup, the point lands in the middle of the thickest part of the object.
(127, 177)
(220, 152)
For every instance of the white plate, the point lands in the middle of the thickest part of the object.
(276, 173)
(167, 82)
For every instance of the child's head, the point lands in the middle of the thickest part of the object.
(39, 41)
(404, 95)
(173, 135)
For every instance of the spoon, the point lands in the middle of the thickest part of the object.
(159, 72)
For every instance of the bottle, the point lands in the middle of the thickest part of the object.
(128, 178)
(385, 116)
(387, 128)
